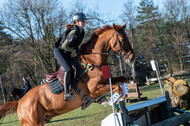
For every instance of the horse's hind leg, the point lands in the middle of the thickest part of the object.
(33, 115)
(32, 122)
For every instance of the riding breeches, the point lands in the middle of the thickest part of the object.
(66, 64)
(63, 60)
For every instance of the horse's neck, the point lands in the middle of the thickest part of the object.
(97, 49)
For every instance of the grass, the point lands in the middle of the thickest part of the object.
(92, 116)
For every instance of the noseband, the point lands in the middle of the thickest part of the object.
(126, 56)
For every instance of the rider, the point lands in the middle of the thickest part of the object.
(27, 85)
(67, 47)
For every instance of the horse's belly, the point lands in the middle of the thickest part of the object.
(56, 104)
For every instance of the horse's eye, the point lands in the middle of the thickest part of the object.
(122, 39)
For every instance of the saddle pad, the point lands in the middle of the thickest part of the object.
(56, 87)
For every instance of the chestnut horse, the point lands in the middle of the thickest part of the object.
(40, 102)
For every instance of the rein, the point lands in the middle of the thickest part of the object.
(103, 54)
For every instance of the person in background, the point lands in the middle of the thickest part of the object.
(67, 47)
(27, 85)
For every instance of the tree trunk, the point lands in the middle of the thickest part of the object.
(178, 91)
(2, 90)
(180, 88)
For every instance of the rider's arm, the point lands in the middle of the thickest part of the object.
(70, 38)
(24, 87)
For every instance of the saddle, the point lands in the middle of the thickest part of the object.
(55, 80)
(57, 75)
(50, 77)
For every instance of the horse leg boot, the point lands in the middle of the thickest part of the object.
(68, 95)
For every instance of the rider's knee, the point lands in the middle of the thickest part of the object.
(69, 70)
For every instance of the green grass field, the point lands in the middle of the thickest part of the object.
(92, 116)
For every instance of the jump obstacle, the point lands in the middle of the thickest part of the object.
(154, 112)
(134, 94)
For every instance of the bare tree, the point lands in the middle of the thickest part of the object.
(37, 23)
(128, 16)
(177, 14)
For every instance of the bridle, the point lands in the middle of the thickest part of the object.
(126, 56)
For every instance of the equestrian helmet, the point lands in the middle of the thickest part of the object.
(23, 77)
(79, 16)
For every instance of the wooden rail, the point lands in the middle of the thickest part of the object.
(134, 94)
(151, 111)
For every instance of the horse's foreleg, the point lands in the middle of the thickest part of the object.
(99, 89)
(104, 89)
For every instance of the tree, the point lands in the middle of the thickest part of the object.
(5, 40)
(128, 15)
(165, 49)
(178, 15)
(145, 36)
(37, 24)
(147, 17)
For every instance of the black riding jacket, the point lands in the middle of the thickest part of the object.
(72, 38)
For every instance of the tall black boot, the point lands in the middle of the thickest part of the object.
(68, 95)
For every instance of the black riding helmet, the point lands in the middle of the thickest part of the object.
(79, 16)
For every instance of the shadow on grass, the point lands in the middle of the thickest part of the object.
(79, 117)
(73, 118)
(8, 122)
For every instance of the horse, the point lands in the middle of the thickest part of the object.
(40, 102)
(16, 94)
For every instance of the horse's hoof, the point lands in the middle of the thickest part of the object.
(103, 101)
(48, 118)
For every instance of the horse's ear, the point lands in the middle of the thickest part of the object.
(115, 27)
(124, 26)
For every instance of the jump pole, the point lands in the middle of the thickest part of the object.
(119, 119)
(107, 74)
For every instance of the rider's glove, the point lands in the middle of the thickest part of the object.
(77, 51)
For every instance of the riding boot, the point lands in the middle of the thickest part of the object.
(68, 95)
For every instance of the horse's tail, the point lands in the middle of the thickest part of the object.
(8, 108)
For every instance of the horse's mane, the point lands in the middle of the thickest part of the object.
(102, 30)
(96, 34)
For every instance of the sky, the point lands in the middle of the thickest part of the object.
(110, 8)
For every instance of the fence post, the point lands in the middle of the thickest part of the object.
(126, 117)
